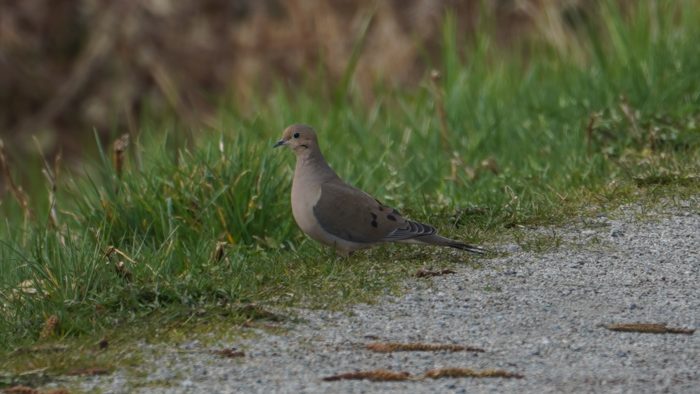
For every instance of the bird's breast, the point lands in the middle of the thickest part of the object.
(304, 198)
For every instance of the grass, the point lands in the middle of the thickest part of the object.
(199, 220)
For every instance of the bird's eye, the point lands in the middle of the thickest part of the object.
(296, 135)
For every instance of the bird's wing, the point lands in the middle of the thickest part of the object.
(353, 215)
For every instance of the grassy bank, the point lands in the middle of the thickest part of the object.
(197, 223)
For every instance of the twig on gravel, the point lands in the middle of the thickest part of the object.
(651, 328)
(427, 273)
(377, 375)
(20, 389)
(39, 349)
(92, 371)
(420, 347)
(383, 375)
(229, 353)
(470, 373)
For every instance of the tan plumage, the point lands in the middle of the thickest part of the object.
(339, 215)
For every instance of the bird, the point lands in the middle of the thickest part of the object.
(341, 216)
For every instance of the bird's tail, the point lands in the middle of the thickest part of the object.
(469, 248)
(435, 239)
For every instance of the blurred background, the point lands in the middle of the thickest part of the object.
(69, 68)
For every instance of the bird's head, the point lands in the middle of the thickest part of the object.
(300, 138)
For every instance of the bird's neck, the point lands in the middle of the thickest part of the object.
(310, 158)
(314, 164)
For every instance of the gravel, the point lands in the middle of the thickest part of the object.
(538, 314)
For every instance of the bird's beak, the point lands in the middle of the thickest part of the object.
(279, 143)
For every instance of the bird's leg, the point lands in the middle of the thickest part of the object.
(343, 252)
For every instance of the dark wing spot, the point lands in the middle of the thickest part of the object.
(391, 217)
(374, 215)
(381, 206)
(374, 223)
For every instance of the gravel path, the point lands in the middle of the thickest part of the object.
(540, 315)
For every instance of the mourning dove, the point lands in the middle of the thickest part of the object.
(341, 216)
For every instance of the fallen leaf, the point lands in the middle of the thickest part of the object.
(27, 287)
(49, 327)
(219, 251)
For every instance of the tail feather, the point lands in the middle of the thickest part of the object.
(467, 247)
(438, 240)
